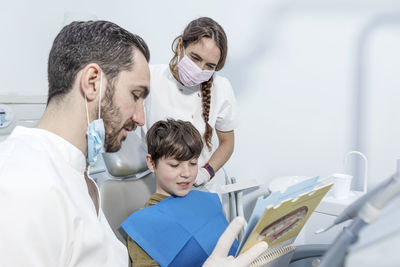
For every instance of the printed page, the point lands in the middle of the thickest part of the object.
(274, 199)
(284, 222)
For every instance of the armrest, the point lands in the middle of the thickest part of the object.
(239, 186)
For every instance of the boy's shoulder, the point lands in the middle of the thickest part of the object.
(155, 199)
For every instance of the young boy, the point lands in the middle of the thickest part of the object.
(196, 218)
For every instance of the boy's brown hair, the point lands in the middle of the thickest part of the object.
(173, 139)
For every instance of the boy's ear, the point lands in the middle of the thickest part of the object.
(150, 163)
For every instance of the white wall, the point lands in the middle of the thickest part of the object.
(381, 131)
(292, 64)
(300, 88)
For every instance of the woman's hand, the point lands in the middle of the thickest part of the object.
(203, 176)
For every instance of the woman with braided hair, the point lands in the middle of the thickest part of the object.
(188, 89)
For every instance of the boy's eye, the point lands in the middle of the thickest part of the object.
(193, 163)
(173, 165)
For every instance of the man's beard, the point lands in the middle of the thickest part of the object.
(111, 116)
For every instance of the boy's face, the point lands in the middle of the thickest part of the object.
(173, 177)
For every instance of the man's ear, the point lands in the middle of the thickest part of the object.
(90, 81)
(150, 163)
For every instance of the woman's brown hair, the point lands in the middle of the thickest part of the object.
(194, 31)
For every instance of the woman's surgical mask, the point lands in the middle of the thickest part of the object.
(95, 132)
(190, 74)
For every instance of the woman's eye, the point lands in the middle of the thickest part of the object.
(195, 58)
(210, 67)
(193, 163)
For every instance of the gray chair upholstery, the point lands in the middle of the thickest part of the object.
(129, 160)
(130, 183)
(121, 197)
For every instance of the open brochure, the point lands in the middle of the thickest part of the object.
(279, 218)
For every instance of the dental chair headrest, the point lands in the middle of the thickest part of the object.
(129, 160)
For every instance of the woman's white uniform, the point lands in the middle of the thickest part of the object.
(170, 99)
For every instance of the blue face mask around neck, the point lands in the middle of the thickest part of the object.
(95, 132)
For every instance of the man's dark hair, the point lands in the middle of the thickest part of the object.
(173, 138)
(81, 43)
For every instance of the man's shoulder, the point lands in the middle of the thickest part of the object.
(24, 160)
(23, 137)
(23, 149)
(30, 176)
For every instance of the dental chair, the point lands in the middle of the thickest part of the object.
(130, 185)
(121, 197)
